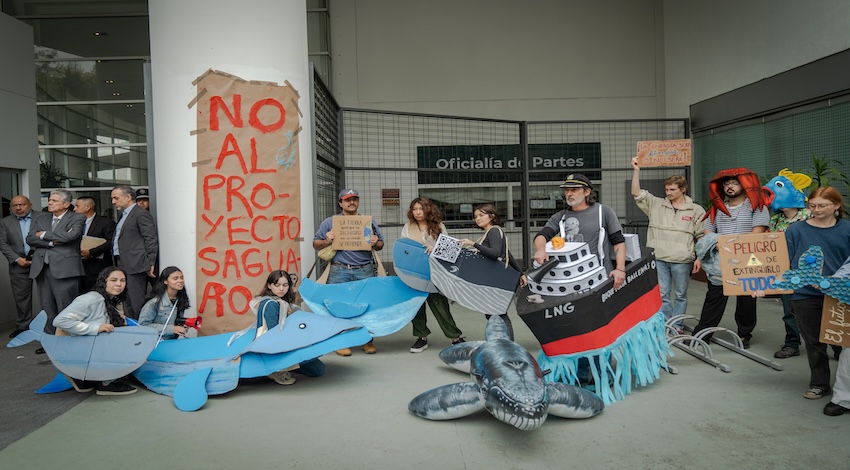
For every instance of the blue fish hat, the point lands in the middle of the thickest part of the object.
(785, 191)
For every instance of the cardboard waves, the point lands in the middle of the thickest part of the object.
(594, 319)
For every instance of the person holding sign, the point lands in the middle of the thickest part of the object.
(826, 229)
(424, 226)
(840, 402)
(675, 223)
(743, 211)
(349, 265)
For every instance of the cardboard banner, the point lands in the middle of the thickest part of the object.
(352, 232)
(248, 199)
(652, 153)
(752, 262)
(835, 322)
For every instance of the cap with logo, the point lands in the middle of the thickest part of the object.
(576, 180)
(142, 193)
(348, 193)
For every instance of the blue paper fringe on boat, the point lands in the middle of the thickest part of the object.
(636, 357)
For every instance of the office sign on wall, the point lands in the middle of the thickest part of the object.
(490, 163)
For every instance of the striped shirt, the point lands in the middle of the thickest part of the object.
(743, 219)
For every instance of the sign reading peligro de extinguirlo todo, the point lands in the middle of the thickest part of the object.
(752, 262)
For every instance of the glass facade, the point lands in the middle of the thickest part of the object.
(90, 88)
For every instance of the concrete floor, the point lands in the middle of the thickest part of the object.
(356, 417)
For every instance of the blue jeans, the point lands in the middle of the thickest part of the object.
(675, 276)
(311, 368)
(340, 274)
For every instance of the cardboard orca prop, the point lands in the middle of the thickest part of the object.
(507, 382)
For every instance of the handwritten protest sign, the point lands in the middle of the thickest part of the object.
(664, 153)
(352, 232)
(835, 322)
(248, 204)
(752, 262)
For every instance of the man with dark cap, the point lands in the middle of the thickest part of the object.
(349, 265)
(585, 220)
(143, 198)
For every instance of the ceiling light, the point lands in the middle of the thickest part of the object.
(115, 93)
(110, 81)
(129, 105)
(99, 33)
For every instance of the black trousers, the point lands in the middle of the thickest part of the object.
(714, 306)
(808, 312)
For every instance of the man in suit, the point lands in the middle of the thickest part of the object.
(56, 262)
(135, 245)
(13, 234)
(99, 257)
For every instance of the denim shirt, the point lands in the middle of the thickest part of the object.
(157, 318)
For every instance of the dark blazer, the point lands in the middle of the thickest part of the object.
(138, 244)
(12, 242)
(65, 261)
(100, 227)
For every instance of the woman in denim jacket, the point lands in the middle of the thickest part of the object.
(165, 308)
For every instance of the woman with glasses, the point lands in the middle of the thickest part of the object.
(826, 228)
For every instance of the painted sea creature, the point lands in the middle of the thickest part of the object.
(475, 281)
(105, 356)
(383, 304)
(507, 382)
(191, 369)
(785, 191)
(410, 261)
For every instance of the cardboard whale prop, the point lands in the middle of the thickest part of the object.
(191, 369)
(507, 382)
(101, 357)
(382, 304)
(410, 261)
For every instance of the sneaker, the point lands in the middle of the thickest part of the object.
(343, 352)
(834, 409)
(115, 388)
(745, 342)
(369, 348)
(420, 345)
(679, 331)
(282, 377)
(786, 352)
(815, 393)
(458, 340)
(82, 386)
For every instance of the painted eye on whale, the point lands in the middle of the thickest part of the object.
(302, 325)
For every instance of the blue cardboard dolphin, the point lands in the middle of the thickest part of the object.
(507, 382)
(191, 369)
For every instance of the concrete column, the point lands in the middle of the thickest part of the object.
(262, 40)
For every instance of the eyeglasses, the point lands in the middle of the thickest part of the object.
(819, 206)
(731, 183)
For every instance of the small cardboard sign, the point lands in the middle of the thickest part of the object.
(352, 232)
(752, 262)
(835, 322)
(652, 153)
